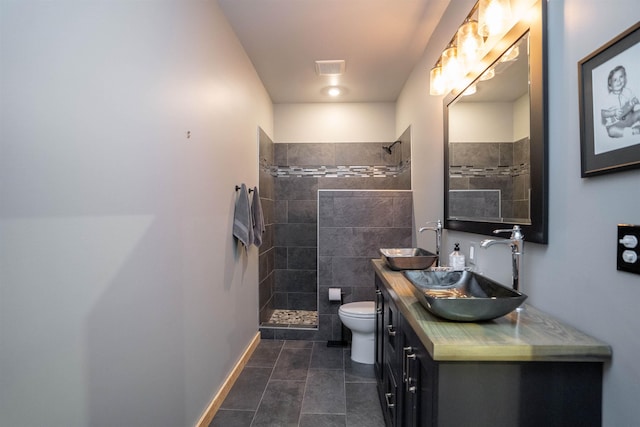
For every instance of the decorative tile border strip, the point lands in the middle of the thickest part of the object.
(357, 171)
(497, 171)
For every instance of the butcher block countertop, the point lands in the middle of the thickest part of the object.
(527, 336)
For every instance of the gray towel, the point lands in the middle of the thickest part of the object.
(258, 218)
(242, 224)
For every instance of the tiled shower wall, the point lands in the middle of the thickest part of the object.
(302, 170)
(353, 226)
(497, 166)
(266, 270)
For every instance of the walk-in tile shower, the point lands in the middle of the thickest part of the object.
(292, 175)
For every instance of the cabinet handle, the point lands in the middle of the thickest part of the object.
(390, 330)
(405, 374)
(378, 298)
(388, 396)
(408, 357)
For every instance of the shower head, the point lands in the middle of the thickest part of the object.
(388, 148)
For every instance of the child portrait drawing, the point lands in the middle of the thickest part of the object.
(622, 108)
(616, 105)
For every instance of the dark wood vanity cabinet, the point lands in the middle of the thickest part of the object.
(405, 372)
(386, 360)
(472, 386)
(419, 380)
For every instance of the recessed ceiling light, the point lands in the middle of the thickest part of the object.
(334, 91)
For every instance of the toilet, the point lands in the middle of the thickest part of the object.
(360, 318)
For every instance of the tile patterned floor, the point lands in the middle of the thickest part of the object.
(301, 384)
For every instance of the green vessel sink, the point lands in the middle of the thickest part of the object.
(463, 296)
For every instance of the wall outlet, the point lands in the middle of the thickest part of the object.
(628, 258)
(472, 253)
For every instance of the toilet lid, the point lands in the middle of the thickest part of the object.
(359, 309)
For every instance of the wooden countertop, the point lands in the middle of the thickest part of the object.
(529, 335)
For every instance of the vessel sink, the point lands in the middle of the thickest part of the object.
(463, 296)
(408, 258)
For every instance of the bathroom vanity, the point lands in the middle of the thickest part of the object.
(522, 369)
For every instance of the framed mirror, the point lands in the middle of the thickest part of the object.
(495, 137)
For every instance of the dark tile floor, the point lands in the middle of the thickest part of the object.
(301, 384)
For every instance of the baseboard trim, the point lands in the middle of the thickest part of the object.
(213, 407)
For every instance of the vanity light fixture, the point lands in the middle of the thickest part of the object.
(437, 84)
(468, 45)
(494, 17)
(452, 66)
(469, 42)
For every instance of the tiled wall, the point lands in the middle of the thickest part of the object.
(295, 284)
(353, 226)
(266, 271)
(296, 209)
(497, 166)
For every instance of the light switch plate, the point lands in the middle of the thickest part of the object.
(628, 258)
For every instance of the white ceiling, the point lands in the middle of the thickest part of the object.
(381, 41)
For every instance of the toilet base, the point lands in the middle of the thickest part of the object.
(363, 348)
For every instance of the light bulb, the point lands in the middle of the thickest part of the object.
(437, 84)
(334, 91)
(493, 17)
(452, 68)
(469, 43)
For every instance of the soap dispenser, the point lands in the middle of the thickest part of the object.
(456, 258)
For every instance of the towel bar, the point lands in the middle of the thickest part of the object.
(238, 188)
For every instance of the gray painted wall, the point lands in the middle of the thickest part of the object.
(124, 300)
(574, 277)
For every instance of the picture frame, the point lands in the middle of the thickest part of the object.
(609, 96)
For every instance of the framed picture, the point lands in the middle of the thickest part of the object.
(609, 90)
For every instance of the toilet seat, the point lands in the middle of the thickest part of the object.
(359, 309)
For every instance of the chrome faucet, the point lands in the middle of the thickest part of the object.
(516, 241)
(438, 230)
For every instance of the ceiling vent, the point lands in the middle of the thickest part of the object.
(330, 68)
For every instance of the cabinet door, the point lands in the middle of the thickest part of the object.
(418, 382)
(390, 395)
(379, 358)
(387, 355)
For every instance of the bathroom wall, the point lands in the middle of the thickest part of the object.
(266, 263)
(353, 226)
(335, 122)
(124, 128)
(574, 277)
(303, 170)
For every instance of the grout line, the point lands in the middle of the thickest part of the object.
(255, 413)
(306, 382)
